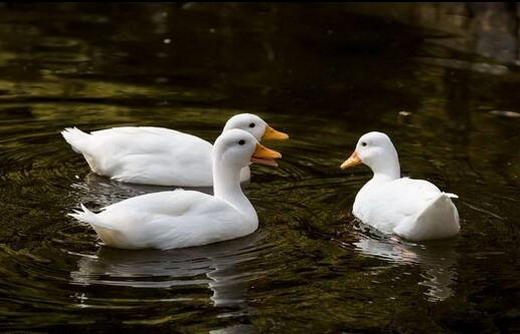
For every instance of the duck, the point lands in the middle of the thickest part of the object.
(412, 209)
(159, 156)
(187, 218)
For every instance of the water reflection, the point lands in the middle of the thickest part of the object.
(323, 71)
(437, 260)
(486, 29)
(237, 329)
(217, 266)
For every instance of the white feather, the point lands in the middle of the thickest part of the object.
(413, 209)
(152, 155)
(177, 219)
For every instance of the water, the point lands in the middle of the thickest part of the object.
(325, 75)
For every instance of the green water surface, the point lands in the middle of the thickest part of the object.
(325, 74)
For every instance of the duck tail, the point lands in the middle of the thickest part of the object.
(451, 195)
(86, 216)
(439, 220)
(76, 138)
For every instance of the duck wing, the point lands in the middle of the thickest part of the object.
(146, 155)
(163, 220)
(386, 205)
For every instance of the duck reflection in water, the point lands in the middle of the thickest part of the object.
(437, 260)
(220, 263)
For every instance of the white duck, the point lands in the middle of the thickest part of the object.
(413, 209)
(159, 156)
(178, 219)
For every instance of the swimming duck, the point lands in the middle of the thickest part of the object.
(178, 219)
(412, 209)
(159, 156)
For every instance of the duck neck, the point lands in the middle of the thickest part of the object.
(226, 186)
(386, 169)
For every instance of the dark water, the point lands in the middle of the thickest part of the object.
(325, 75)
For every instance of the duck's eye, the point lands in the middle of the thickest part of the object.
(363, 144)
(252, 125)
(241, 142)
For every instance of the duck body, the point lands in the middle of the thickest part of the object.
(413, 209)
(147, 155)
(178, 219)
(159, 156)
(170, 219)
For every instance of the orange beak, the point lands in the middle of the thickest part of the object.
(352, 161)
(263, 155)
(271, 133)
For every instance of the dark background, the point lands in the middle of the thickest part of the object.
(441, 79)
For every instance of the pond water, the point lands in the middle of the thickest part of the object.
(323, 74)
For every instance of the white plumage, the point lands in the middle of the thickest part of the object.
(159, 156)
(177, 219)
(413, 209)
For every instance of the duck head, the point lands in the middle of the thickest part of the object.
(255, 126)
(238, 148)
(375, 149)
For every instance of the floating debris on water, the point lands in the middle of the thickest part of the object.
(505, 113)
